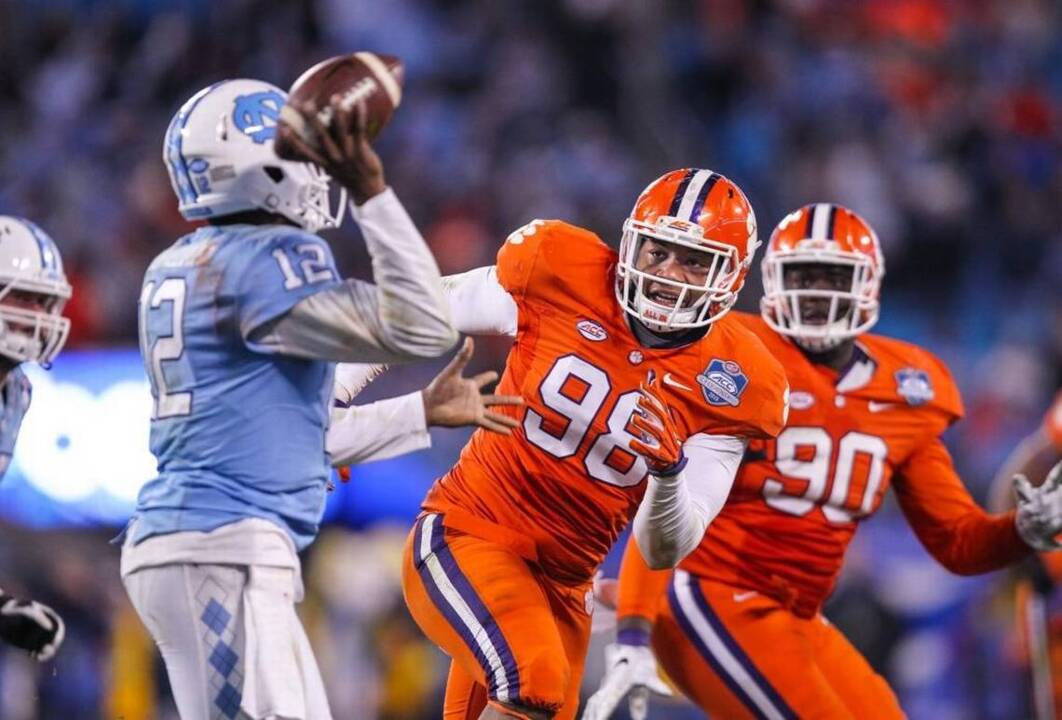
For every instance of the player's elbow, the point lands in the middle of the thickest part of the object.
(662, 552)
(663, 560)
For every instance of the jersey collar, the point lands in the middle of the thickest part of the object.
(858, 372)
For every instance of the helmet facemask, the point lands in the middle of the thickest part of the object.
(301, 192)
(666, 304)
(819, 319)
(32, 331)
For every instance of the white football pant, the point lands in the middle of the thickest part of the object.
(233, 645)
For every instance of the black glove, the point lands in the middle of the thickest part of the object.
(30, 626)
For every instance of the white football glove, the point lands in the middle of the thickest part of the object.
(631, 669)
(31, 626)
(1039, 516)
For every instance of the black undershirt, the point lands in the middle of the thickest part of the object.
(657, 340)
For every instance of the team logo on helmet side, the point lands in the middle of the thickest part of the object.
(914, 386)
(256, 115)
(723, 382)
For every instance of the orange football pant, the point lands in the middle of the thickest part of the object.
(739, 654)
(515, 636)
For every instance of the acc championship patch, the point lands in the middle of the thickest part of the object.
(913, 385)
(722, 382)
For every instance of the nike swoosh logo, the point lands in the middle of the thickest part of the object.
(669, 380)
(742, 597)
(876, 407)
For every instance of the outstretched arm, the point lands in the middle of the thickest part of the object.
(387, 428)
(479, 305)
(950, 524)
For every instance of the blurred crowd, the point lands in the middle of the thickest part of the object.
(940, 121)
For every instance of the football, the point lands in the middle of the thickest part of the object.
(342, 83)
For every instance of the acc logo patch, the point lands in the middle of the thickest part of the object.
(256, 115)
(800, 400)
(591, 330)
(722, 382)
(913, 385)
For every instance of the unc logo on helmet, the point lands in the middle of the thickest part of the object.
(256, 115)
(220, 156)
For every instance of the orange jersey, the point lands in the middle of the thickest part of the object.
(798, 498)
(563, 486)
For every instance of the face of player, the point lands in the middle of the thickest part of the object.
(819, 277)
(25, 300)
(672, 262)
(22, 322)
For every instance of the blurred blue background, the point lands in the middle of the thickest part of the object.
(938, 120)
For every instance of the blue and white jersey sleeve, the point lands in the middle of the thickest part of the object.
(276, 276)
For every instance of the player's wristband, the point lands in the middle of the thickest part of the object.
(633, 636)
(670, 472)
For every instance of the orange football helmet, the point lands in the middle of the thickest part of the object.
(822, 234)
(699, 210)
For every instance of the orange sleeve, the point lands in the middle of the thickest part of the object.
(949, 523)
(1053, 422)
(640, 588)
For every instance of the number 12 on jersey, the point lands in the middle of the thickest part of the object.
(163, 342)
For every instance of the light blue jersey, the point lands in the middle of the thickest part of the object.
(238, 433)
(16, 399)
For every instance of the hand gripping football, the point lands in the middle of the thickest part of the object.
(369, 82)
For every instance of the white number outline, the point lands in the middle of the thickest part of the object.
(166, 348)
(314, 269)
(841, 457)
(580, 416)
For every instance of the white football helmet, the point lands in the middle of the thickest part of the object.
(219, 152)
(32, 331)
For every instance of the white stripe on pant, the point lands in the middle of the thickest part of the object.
(460, 607)
(718, 648)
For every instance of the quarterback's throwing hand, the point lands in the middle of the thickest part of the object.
(662, 448)
(344, 151)
(1039, 516)
(31, 626)
(451, 400)
(630, 670)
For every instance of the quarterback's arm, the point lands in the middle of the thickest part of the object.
(676, 509)
(404, 316)
(949, 523)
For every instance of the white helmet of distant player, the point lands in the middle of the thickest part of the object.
(219, 153)
(33, 291)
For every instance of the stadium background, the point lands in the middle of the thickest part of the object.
(938, 120)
